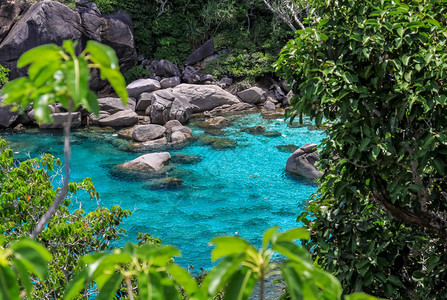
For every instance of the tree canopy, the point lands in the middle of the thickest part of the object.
(376, 72)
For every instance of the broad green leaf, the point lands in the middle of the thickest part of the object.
(228, 245)
(433, 22)
(69, 46)
(90, 102)
(109, 289)
(219, 275)
(365, 142)
(268, 234)
(24, 276)
(297, 285)
(48, 53)
(294, 234)
(294, 253)
(359, 296)
(33, 256)
(77, 74)
(183, 278)
(117, 81)
(103, 55)
(327, 282)
(77, 284)
(240, 286)
(9, 289)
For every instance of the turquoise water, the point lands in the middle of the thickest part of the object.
(243, 190)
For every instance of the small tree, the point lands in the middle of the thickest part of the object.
(377, 72)
(56, 74)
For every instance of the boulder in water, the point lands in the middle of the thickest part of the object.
(148, 162)
(302, 162)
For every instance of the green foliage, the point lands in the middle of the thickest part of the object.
(4, 75)
(149, 270)
(242, 64)
(377, 72)
(22, 258)
(137, 72)
(26, 193)
(56, 74)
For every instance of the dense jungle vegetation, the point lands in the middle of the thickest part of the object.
(375, 71)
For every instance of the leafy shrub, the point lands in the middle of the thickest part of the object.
(4, 75)
(377, 72)
(135, 73)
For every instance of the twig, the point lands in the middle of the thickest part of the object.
(64, 190)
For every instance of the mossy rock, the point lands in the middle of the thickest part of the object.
(289, 148)
(186, 159)
(167, 183)
(258, 129)
(271, 134)
(215, 132)
(218, 143)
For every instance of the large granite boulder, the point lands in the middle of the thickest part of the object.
(61, 118)
(165, 68)
(143, 133)
(10, 10)
(136, 88)
(302, 162)
(252, 95)
(148, 162)
(122, 118)
(204, 51)
(52, 22)
(179, 102)
(169, 82)
(7, 117)
(113, 105)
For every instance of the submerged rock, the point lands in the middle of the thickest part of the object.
(214, 131)
(218, 143)
(186, 159)
(271, 134)
(258, 129)
(149, 145)
(216, 122)
(302, 162)
(289, 148)
(167, 183)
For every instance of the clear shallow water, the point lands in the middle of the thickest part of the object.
(243, 190)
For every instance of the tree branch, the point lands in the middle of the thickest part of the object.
(64, 190)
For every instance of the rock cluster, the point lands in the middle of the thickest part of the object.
(302, 162)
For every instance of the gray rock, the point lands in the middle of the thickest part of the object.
(126, 133)
(61, 118)
(302, 162)
(277, 91)
(150, 145)
(183, 129)
(287, 98)
(136, 88)
(114, 105)
(179, 102)
(9, 13)
(170, 82)
(143, 133)
(190, 78)
(206, 77)
(252, 95)
(268, 107)
(52, 22)
(165, 68)
(144, 101)
(7, 117)
(178, 137)
(181, 110)
(171, 124)
(233, 109)
(94, 120)
(204, 51)
(148, 162)
(227, 81)
(120, 119)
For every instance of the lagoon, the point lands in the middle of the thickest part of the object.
(241, 191)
